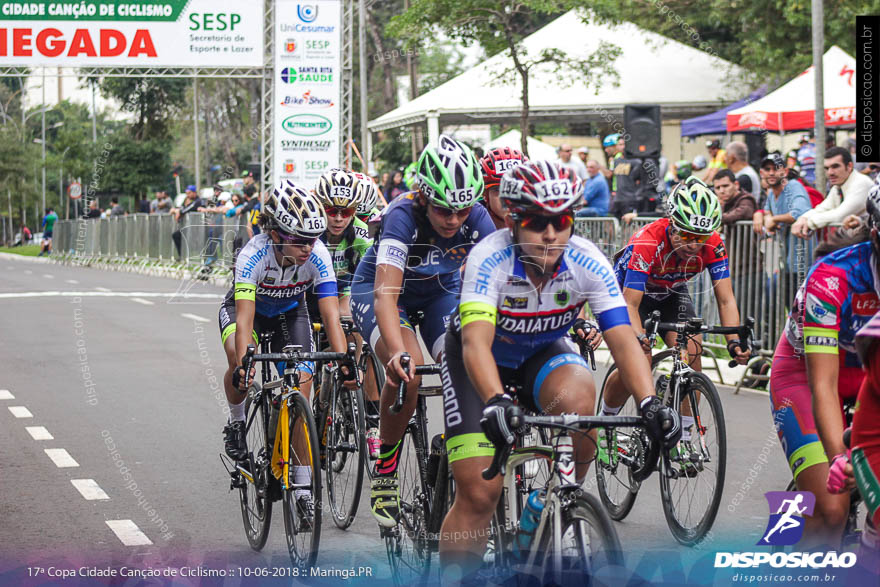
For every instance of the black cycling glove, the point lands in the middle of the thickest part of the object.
(662, 422)
(498, 420)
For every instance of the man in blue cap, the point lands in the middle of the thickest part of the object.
(192, 203)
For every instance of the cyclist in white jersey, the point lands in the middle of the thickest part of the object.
(272, 273)
(523, 289)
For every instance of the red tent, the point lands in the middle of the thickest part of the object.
(791, 106)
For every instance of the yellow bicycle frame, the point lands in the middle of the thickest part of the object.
(281, 448)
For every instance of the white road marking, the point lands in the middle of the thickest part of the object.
(196, 318)
(128, 533)
(103, 289)
(39, 433)
(108, 294)
(143, 301)
(47, 276)
(20, 412)
(61, 457)
(89, 489)
(73, 281)
(6, 394)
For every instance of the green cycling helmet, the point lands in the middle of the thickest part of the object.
(450, 176)
(410, 177)
(693, 207)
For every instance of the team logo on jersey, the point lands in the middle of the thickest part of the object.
(561, 297)
(719, 251)
(640, 264)
(820, 311)
(865, 304)
(515, 303)
(832, 283)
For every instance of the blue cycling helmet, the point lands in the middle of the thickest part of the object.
(611, 140)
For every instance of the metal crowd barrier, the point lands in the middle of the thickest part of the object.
(765, 270)
(205, 238)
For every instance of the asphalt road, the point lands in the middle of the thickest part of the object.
(113, 373)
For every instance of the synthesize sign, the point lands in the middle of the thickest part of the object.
(306, 111)
(113, 33)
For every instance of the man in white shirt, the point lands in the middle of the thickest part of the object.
(574, 164)
(737, 159)
(847, 195)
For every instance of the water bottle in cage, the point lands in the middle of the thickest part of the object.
(528, 523)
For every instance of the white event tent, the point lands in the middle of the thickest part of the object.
(653, 69)
(792, 106)
(537, 149)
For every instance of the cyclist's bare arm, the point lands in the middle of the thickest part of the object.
(630, 360)
(822, 372)
(388, 287)
(244, 326)
(728, 311)
(476, 342)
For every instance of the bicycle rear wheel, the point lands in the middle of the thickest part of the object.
(256, 505)
(345, 451)
(616, 486)
(691, 487)
(369, 360)
(301, 526)
(407, 544)
(589, 544)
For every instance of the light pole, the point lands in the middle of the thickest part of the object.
(61, 182)
(42, 142)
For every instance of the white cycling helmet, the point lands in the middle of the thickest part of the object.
(367, 193)
(295, 211)
(539, 186)
(336, 188)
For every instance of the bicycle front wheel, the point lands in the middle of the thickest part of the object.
(616, 486)
(692, 479)
(588, 544)
(256, 504)
(302, 496)
(407, 544)
(345, 452)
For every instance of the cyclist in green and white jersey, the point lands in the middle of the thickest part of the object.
(347, 239)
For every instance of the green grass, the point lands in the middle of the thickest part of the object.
(27, 250)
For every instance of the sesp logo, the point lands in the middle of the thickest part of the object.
(787, 510)
(307, 12)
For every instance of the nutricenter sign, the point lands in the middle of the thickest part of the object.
(175, 33)
(307, 125)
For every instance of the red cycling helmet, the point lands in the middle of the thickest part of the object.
(497, 161)
(540, 186)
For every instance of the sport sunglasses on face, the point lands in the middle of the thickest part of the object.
(339, 211)
(539, 223)
(447, 212)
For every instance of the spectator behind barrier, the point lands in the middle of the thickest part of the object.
(737, 160)
(162, 203)
(192, 203)
(847, 195)
(596, 193)
(573, 164)
(116, 208)
(736, 203)
(395, 186)
(93, 211)
(717, 157)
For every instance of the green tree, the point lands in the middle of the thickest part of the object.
(498, 25)
(772, 40)
(154, 101)
(134, 166)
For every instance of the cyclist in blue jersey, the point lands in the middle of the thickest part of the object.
(272, 273)
(524, 287)
(415, 266)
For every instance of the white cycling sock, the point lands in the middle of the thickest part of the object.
(302, 474)
(686, 423)
(604, 410)
(236, 411)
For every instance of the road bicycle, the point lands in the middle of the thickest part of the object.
(339, 415)
(574, 537)
(283, 460)
(409, 544)
(692, 473)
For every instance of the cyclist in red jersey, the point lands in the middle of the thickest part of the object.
(494, 164)
(653, 271)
